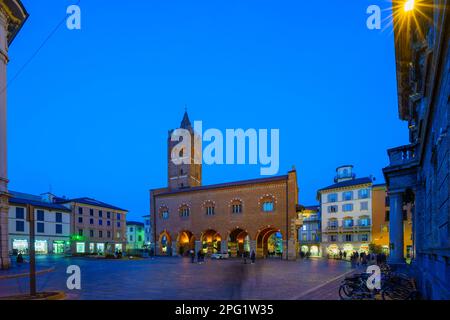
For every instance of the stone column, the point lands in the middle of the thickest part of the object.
(252, 246)
(174, 248)
(198, 246)
(4, 203)
(285, 250)
(292, 249)
(396, 228)
(224, 246)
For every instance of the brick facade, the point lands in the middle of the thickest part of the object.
(225, 217)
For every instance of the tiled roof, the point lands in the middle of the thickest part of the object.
(91, 202)
(348, 183)
(314, 207)
(224, 185)
(25, 199)
(135, 223)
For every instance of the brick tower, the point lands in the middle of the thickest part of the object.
(189, 173)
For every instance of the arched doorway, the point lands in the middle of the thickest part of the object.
(211, 241)
(165, 244)
(314, 251)
(333, 250)
(238, 242)
(269, 242)
(185, 242)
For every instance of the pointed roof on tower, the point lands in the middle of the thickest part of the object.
(185, 123)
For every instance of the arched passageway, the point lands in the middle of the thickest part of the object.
(211, 241)
(165, 244)
(269, 242)
(185, 242)
(238, 242)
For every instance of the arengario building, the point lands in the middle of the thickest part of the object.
(236, 217)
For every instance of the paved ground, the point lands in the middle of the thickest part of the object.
(177, 278)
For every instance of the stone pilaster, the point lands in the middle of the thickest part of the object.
(4, 206)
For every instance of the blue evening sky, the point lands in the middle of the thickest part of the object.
(89, 115)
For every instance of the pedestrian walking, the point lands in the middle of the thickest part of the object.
(192, 253)
(253, 256)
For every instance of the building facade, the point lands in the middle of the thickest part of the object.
(419, 173)
(309, 235)
(148, 231)
(52, 225)
(346, 210)
(380, 221)
(252, 215)
(12, 17)
(96, 227)
(135, 235)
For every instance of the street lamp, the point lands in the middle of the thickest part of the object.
(409, 5)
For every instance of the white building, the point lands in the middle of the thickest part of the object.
(148, 231)
(52, 224)
(346, 209)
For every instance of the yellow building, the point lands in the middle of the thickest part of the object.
(380, 221)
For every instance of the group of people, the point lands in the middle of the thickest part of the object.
(246, 255)
(364, 258)
(200, 256)
(305, 254)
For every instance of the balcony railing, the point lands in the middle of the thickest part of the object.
(402, 155)
(344, 229)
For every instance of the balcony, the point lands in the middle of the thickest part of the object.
(401, 173)
(403, 155)
(347, 229)
(332, 229)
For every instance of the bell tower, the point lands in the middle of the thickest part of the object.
(188, 173)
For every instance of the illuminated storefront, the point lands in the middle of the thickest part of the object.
(80, 247)
(59, 246)
(100, 248)
(20, 245)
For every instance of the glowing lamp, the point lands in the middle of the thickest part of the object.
(409, 5)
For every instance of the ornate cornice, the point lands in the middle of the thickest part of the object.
(16, 16)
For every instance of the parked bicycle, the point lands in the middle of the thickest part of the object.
(394, 286)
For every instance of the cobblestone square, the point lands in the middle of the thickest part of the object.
(178, 278)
